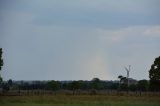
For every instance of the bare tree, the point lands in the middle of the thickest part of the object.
(128, 70)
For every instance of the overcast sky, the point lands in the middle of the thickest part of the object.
(78, 39)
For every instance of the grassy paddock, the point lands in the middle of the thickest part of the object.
(79, 100)
(81, 92)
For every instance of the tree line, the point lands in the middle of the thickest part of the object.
(94, 85)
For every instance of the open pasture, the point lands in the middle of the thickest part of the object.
(79, 100)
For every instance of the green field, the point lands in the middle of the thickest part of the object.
(79, 100)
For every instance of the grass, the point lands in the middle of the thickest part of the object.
(79, 100)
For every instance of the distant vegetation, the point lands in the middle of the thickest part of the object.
(1, 63)
(154, 75)
(92, 87)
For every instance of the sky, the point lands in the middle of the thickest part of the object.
(78, 39)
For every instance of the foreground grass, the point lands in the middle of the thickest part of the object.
(81, 100)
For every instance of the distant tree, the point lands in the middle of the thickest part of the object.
(122, 79)
(1, 60)
(5, 87)
(124, 87)
(96, 80)
(1, 63)
(132, 87)
(10, 82)
(154, 75)
(53, 85)
(64, 86)
(1, 79)
(114, 86)
(76, 86)
(81, 84)
(142, 85)
(84, 85)
(96, 83)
